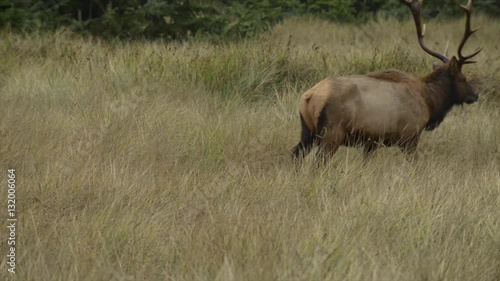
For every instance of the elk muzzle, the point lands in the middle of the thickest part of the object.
(472, 98)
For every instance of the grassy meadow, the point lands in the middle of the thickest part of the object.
(156, 161)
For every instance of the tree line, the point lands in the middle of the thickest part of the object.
(218, 19)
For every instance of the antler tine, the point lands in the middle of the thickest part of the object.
(468, 32)
(415, 10)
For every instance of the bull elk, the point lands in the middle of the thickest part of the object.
(387, 107)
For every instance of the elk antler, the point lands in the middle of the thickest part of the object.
(415, 8)
(445, 53)
(468, 32)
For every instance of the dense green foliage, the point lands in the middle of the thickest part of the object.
(171, 19)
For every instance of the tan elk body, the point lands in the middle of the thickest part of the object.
(383, 108)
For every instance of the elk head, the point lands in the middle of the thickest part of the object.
(461, 89)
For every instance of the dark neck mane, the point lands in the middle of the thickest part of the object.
(438, 95)
(390, 75)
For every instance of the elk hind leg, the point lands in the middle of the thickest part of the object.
(307, 140)
(368, 149)
(327, 138)
(329, 143)
(326, 151)
(409, 148)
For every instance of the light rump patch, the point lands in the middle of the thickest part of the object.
(388, 107)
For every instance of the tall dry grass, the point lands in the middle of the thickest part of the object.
(151, 161)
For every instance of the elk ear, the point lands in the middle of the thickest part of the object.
(455, 66)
